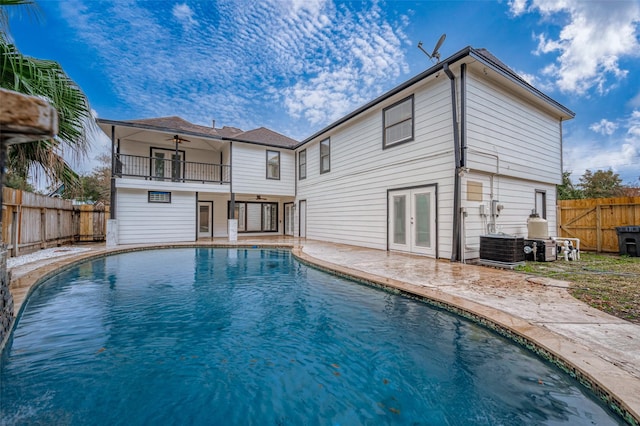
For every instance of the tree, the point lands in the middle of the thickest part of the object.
(567, 191)
(46, 79)
(17, 182)
(600, 184)
(94, 187)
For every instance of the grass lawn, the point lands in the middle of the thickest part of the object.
(608, 282)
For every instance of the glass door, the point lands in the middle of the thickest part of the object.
(205, 219)
(412, 220)
(289, 214)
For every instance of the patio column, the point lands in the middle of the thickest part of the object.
(232, 226)
(112, 222)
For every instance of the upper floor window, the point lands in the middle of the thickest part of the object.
(398, 122)
(325, 155)
(273, 164)
(302, 164)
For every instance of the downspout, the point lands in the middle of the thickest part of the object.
(232, 201)
(112, 199)
(561, 178)
(463, 157)
(455, 243)
(463, 116)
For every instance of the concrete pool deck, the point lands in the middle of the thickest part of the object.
(596, 346)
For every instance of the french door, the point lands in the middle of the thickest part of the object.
(166, 164)
(412, 221)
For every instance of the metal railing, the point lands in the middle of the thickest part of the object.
(170, 170)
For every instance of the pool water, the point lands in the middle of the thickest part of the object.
(205, 336)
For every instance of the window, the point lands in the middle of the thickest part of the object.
(398, 123)
(256, 217)
(302, 164)
(159, 197)
(325, 156)
(273, 164)
(541, 203)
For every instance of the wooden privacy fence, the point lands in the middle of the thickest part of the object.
(594, 221)
(32, 221)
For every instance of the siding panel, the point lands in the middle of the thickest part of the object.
(142, 222)
(501, 127)
(518, 198)
(249, 173)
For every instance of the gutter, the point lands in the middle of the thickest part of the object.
(455, 243)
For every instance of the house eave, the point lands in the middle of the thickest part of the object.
(102, 121)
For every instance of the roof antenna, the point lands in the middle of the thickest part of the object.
(435, 53)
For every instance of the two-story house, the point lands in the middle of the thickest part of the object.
(463, 149)
(176, 181)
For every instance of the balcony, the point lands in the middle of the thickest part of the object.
(170, 170)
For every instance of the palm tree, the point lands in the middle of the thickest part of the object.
(48, 80)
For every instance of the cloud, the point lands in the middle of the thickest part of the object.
(594, 37)
(535, 81)
(621, 154)
(517, 7)
(277, 63)
(604, 127)
(184, 15)
(635, 101)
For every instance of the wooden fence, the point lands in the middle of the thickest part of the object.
(31, 222)
(594, 221)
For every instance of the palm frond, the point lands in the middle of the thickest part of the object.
(46, 79)
(42, 154)
(4, 16)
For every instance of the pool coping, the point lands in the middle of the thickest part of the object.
(615, 386)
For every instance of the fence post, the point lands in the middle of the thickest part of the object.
(598, 229)
(59, 227)
(14, 232)
(43, 228)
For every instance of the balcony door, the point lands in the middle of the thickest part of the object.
(412, 224)
(166, 164)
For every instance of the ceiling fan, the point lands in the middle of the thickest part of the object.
(177, 139)
(260, 197)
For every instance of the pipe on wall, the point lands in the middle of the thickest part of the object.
(455, 244)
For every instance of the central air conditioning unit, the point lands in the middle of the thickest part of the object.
(501, 250)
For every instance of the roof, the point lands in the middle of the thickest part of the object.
(177, 124)
(266, 136)
(481, 55)
(174, 124)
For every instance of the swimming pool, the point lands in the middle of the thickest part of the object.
(235, 336)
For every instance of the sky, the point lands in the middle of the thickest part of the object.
(296, 66)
